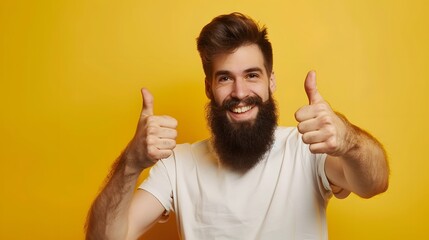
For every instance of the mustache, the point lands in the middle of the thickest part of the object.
(234, 102)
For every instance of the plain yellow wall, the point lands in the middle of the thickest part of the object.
(70, 74)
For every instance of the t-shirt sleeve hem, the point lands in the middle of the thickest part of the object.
(165, 203)
(327, 193)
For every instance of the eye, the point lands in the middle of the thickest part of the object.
(223, 78)
(252, 75)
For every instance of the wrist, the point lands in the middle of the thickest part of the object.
(131, 161)
(135, 159)
(351, 137)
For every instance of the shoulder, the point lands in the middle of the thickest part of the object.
(186, 154)
(286, 135)
(190, 151)
(285, 131)
(289, 141)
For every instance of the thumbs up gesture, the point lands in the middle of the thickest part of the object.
(320, 126)
(155, 137)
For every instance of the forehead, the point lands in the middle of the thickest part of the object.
(243, 58)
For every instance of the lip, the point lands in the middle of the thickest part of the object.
(249, 115)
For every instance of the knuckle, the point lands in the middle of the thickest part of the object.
(152, 152)
(313, 149)
(296, 115)
(299, 127)
(174, 134)
(321, 107)
(306, 139)
(170, 120)
(325, 119)
(299, 114)
(324, 105)
(151, 120)
(167, 154)
(331, 144)
(318, 107)
(150, 140)
(151, 130)
(332, 132)
(169, 143)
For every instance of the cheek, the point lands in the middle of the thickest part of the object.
(263, 93)
(218, 99)
(219, 95)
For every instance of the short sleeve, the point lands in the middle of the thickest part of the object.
(324, 187)
(316, 164)
(159, 185)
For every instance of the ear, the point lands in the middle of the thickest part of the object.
(272, 82)
(208, 86)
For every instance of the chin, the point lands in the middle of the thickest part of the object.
(241, 122)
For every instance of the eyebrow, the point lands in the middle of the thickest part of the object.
(255, 69)
(225, 72)
(221, 72)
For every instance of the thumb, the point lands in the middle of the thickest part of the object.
(311, 88)
(147, 102)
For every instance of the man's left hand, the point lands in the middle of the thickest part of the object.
(319, 125)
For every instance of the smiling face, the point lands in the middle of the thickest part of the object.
(241, 114)
(240, 76)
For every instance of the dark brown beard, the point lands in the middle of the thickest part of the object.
(242, 145)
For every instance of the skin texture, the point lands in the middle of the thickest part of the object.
(356, 162)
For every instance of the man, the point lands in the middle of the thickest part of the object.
(252, 179)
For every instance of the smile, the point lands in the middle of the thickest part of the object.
(242, 109)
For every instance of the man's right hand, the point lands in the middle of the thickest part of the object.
(155, 137)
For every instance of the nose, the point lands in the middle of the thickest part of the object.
(240, 89)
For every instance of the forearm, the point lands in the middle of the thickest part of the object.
(154, 139)
(108, 216)
(364, 164)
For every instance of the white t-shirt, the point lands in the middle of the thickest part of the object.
(283, 197)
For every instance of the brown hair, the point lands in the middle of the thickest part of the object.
(226, 33)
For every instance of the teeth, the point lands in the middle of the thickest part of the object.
(241, 109)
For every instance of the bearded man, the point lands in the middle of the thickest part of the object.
(252, 179)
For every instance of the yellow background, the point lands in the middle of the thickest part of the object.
(71, 72)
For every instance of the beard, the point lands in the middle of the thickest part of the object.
(241, 145)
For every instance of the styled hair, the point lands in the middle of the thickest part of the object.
(226, 33)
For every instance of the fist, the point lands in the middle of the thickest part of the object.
(319, 125)
(155, 137)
